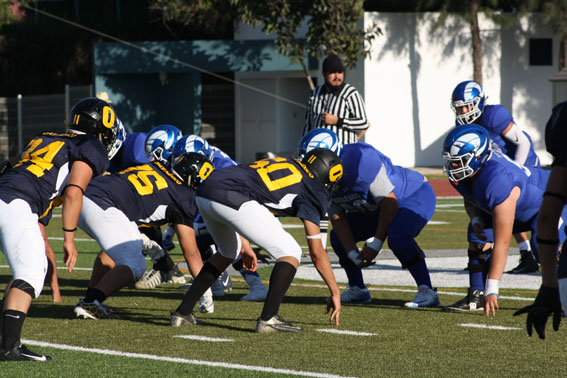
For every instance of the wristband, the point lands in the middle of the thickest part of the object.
(491, 287)
(375, 244)
(69, 230)
(354, 256)
(309, 237)
(475, 220)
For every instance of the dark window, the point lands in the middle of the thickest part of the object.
(541, 51)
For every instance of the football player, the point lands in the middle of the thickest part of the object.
(158, 145)
(114, 204)
(469, 104)
(552, 294)
(240, 200)
(51, 166)
(205, 242)
(501, 197)
(375, 201)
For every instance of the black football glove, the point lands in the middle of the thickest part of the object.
(4, 166)
(546, 303)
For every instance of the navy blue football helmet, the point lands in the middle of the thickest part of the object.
(192, 168)
(325, 165)
(465, 149)
(468, 94)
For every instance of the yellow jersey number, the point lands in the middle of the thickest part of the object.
(141, 179)
(40, 159)
(265, 167)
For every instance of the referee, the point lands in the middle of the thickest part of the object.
(336, 105)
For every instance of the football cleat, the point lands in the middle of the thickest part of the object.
(354, 294)
(528, 264)
(206, 304)
(21, 353)
(175, 276)
(426, 297)
(178, 320)
(258, 292)
(276, 324)
(94, 310)
(474, 301)
(150, 280)
(223, 283)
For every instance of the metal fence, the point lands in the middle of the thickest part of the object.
(23, 117)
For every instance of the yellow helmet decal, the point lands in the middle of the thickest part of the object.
(335, 173)
(76, 119)
(108, 117)
(206, 170)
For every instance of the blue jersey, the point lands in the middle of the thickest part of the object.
(283, 185)
(221, 159)
(147, 193)
(494, 181)
(132, 153)
(42, 173)
(496, 119)
(369, 176)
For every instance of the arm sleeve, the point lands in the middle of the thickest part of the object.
(517, 137)
(381, 186)
(356, 120)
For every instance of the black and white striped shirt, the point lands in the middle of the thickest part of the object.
(348, 106)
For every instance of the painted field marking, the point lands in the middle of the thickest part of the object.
(484, 326)
(203, 338)
(181, 360)
(345, 332)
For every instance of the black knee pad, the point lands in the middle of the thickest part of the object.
(483, 264)
(24, 286)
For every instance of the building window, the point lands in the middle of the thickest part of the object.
(541, 52)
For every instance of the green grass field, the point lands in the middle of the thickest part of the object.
(381, 339)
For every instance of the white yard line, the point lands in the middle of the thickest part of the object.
(203, 338)
(345, 332)
(500, 328)
(181, 360)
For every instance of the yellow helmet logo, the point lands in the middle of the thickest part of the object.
(206, 170)
(335, 173)
(108, 117)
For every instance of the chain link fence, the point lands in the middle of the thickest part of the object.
(23, 117)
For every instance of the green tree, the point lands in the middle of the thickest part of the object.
(332, 27)
(555, 13)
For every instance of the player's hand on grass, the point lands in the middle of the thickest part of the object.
(546, 303)
(490, 304)
(249, 260)
(334, 307)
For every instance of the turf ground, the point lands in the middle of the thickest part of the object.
(380, 339)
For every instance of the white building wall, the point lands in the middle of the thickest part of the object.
(408, 80)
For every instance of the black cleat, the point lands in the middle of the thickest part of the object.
(474, 301)
(21, 353)
(528, 264)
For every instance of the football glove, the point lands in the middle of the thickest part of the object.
(167, 240)
(546, 303)
(151, 248)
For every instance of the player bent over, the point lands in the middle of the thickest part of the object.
(239, 200)
(52, 165)
(501, 198)
(114, 204)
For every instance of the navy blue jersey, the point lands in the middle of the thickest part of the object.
(369, 176)
(496, 119)
(283, 185)
(145, 194)
(494, 181)
(42, 173)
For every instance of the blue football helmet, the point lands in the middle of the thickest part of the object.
(191, 143)
(465, 149)
(160, 142)
(192, 168)
(120, 138)
(319, 138)
(468, 94)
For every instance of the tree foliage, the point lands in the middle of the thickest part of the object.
(332, 26)
(555, 13)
